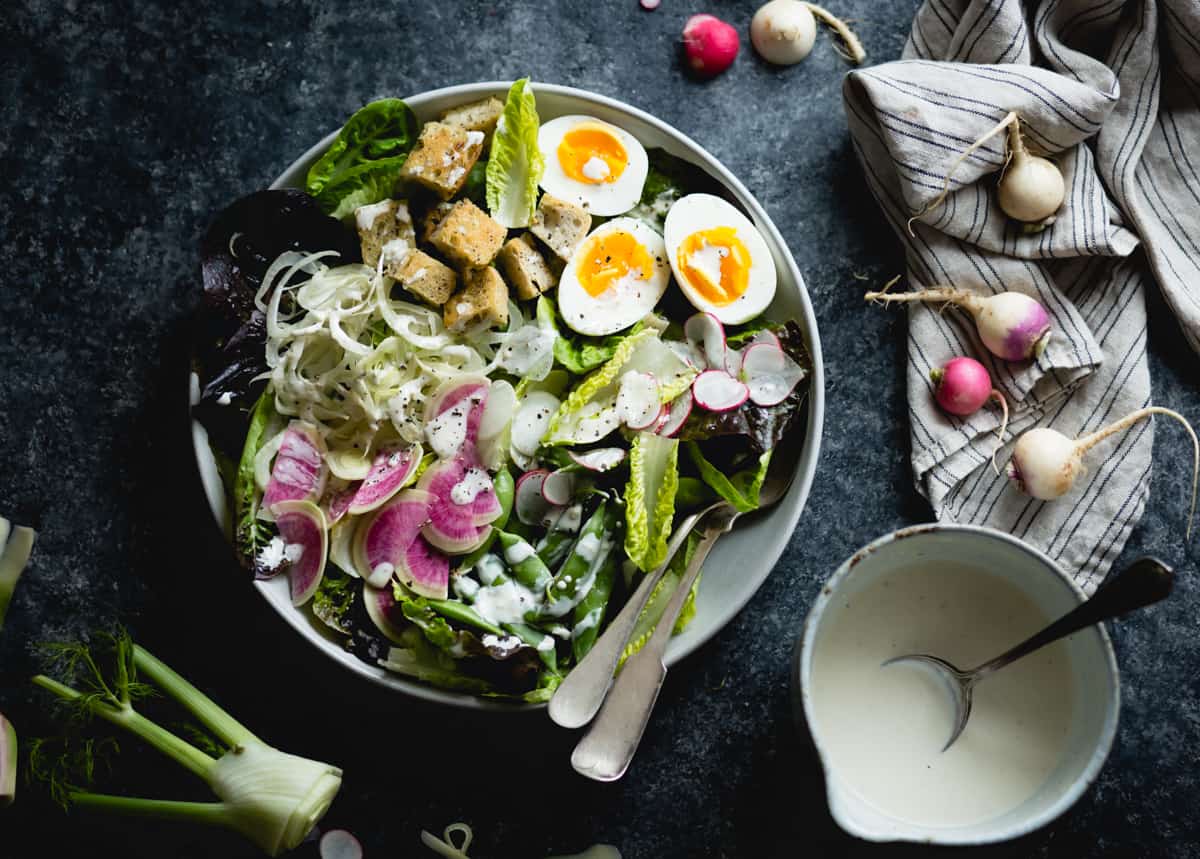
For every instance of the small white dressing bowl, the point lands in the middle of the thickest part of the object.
(1093, 668)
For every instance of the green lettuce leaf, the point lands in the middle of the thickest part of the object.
(250, 532)
(422, 660)
(650, 498)
(660, 596)
(363, 163)
(740, 489)
(333, 600)
(578, 353)
(515, 165)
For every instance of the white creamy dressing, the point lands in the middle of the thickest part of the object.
(883, 728)
(489, 568)
(447, 432)
(466, 587)
(394, 251)
(587, 547)
(271, 555)
(504, 603)
(569, 520)
(518, 552)
(476, 480)
(475, 138)
(365, 216)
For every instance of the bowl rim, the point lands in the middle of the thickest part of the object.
(772, 546)
(802, 673)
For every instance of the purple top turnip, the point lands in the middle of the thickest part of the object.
(962, 387)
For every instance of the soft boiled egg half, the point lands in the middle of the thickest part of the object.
(615, 278)
(720, 259)
(592, 163)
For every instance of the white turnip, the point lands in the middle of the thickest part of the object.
(1011, 325)
(783, 32)
(1046, 464)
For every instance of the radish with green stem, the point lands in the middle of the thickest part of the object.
(272, 798)
(962, 387)
(1045, 463)
(1031, 188)
(1011, 325)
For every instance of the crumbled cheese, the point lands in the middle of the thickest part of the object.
(365, 216)
(474, 138)
(456, 174)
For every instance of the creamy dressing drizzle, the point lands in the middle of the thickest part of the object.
(476, 480)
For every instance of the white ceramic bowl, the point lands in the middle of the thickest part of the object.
(1093, 667)
(752, 549)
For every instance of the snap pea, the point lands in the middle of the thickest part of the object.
(589, 553)
(529, 569)
(464, 614)
(534, 638)
(504, 489)
(589, 614)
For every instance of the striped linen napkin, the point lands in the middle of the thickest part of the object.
(1110, 90)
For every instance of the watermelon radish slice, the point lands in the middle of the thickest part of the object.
(335, 503)
(390, 543)
(678, 412)
(770, 374)
(425, 571)
(341, 547)
(601, 458)
(306, 545)
(706, 335)
(465, 488)
(638, 405)
(528, 500)
(532, 420)
(718, 391)
(393, 467)
(453, 416)
(558, 487)
(384, 611)
(299, 472)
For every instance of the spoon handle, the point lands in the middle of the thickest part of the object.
(1145, 581)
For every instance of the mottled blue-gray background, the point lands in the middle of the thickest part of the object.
(125, 126)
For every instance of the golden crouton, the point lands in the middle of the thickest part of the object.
(525, 268)
(385, 229)
(467, 236)
(476, 116)
(428, 279)
(431, 218)
(561, 224)
(484, 300)
(442, 158)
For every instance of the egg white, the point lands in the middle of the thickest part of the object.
(605, 198)
(696, 212)
(623, 304)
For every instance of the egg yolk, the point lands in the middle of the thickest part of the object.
(609, 259)
(716, 264)
(592, 154)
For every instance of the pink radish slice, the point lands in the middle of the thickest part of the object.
(765, 337)
(384, 612)
(600, 459)
(528, 501)
(664, 415)
(558, 487)
(718, 391)
(678, 412)
(637, 400)
(706, 335)
(392, 467)
(769, 373)
(339, 844)
(691, 355)
(382, 540)
(299, 472)
(306, 544)
(454, 534)
(425, 571)
(336, 502)
(453, 416)
(450, 482)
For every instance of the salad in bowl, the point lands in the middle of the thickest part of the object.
(461, 385)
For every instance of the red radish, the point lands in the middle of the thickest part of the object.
(710, 44)
(532, 420)
(1011, 325)
(392, 468)
(637, 400)
(718, 391)
(600, 459)
(384, 612)
(299, 472)
(339, 844)
(680, 408)
(528, 500)
(8, 761)
(306, 544)
(962, 387)
(558, 487)
(1046, 464)
(664, 414)
(769, 373)
(706, 335)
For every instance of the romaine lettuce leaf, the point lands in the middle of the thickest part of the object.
(515, 164)
(668, 179)
(334, 599)
(740, 489)
(660, 596)
(363, 163)
(250, 533)
(650, 498)
(578, 353)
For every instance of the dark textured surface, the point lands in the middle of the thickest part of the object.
(127, 125)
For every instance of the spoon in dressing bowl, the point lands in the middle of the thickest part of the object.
(1144, 582)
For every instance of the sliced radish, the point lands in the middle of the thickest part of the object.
(718, 391)
(306, 545)
(336, 501)
(691, 355)
(706, 334)
(765, 337)
(339, 844)
(594, 422)
(678, 412)
(465, 489)
(453, 416)
(733, 362)
(532, 420)
(558, 487)
(528, 501)
(341, 547)
(384, 611)
(769, 373)
(498, 411)
(599, 459)
(392, 468)
(522, 461)
(637, 400)
(381, 541)
(299, 472)
(424, 570)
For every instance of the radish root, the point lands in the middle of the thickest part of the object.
(999, 397)
(1088, 442)
(1011, 121)
(854, 50)
(936, 293)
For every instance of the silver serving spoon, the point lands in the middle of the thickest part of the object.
(608, 747)
(1144, 582)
